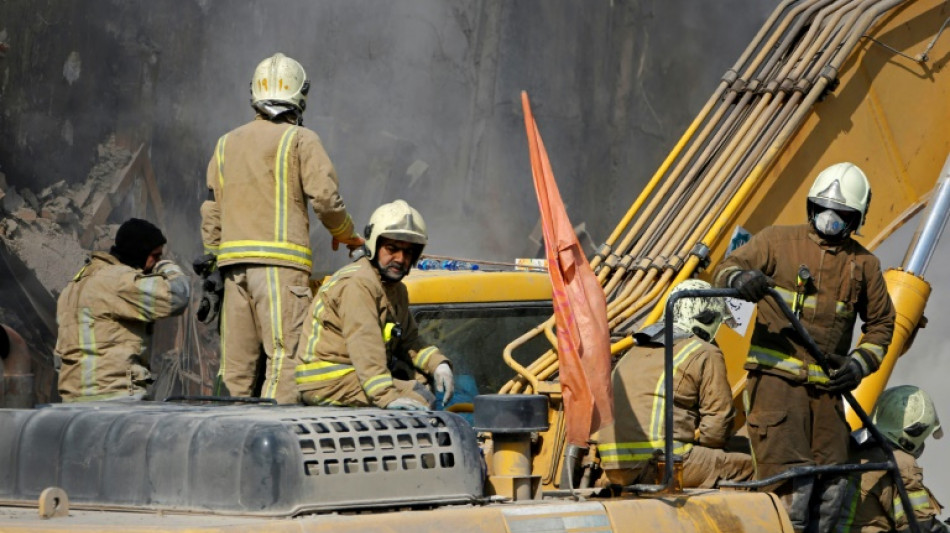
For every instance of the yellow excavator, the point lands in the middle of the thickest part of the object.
(823, 81)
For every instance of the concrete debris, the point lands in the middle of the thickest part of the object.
(25, 214)
(30, 198)
(12, 201)
(43, 229)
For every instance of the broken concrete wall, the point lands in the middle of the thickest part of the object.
(418, 100)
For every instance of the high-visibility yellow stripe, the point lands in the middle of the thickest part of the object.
(224, 328)
(265, 249)
(659, 394)
(919, 499)
(87, 346)
(220, 157)
(775, 359)
(321, 371)
(211, 249)
(280, 184)
(316, 324)
(345, 229)
(638, 451)
(422, 357)
(376, 383)
(277, 331)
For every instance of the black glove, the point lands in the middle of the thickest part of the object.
(212, 292)
(846, 378)
(752, 285)
(205, 265)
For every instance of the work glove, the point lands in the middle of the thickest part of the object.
(407, 404)
(205, 265)
(846, 378)
(444, 382)
(752, 285)
(353, 242)
(166, 265)
(212, 293)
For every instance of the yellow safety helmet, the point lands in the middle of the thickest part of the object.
(844, 188)
(906, 416)
(700, 316)
(397, 221)
(279, 82)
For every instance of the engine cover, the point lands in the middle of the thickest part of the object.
(247, 460)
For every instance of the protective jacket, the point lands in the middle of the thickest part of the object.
(702, 413)
(358, 334)
(105, 315)
(872, 504)
(845, 282)
(260, 177)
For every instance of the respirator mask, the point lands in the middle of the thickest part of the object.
(829, 224)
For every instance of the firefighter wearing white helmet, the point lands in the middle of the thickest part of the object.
(702, 413)
(829, 280)
(361, 346)
(906, 415)
(256, 230)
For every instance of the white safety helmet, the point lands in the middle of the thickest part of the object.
(844, 188)
(906, 416)
(397, 221)
(279, 82)
(700, 316)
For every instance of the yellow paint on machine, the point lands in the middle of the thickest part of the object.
(696, 511)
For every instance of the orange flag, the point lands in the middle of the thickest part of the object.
(580, 307)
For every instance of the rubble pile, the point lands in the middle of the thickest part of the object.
(43, 228)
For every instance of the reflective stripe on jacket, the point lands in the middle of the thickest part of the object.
(872, 504)
(260, 177)
(846, 282)
(345, 332)
(702, 413)
(104, 315)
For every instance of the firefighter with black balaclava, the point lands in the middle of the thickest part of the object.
(702, 399)
(796, 413)
(256, 230)
(106, 314)
(360, 345)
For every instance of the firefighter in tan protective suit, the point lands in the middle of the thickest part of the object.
(256, 225)
(360, 345)
(828, 279)
(702, 413)
(906, 416)
(105, 316)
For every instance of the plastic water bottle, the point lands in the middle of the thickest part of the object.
(428, 264)
(454, 264)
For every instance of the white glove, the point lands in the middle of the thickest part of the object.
(444, 382)
(166, 266)
(407, 404)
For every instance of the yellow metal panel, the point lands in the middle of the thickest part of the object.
(451, 286)
(888, 116)
(701, 511)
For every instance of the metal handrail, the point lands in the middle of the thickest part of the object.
(221, 399)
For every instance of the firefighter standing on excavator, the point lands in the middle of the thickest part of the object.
(361, 346)
(703, 412)
(906, 416)
(256, 228)
(796, 413)
(105, 316)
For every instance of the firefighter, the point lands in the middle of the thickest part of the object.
(360, 346)
(906, 416)
(703, 412)
(796, 414)
(105, 316)
(256, 229)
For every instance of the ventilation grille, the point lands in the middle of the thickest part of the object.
(374, 442)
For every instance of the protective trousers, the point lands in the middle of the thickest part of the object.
(702, 468)
(262, 305)
(347, 391)
(790, 425)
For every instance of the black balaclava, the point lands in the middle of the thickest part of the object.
(135, 240)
